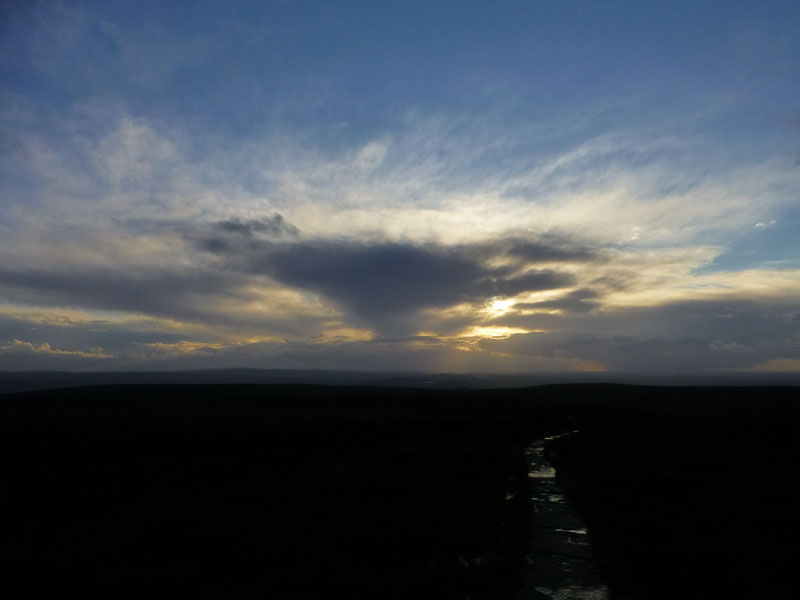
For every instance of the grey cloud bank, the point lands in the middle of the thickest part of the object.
(391, 288)
(679, 337)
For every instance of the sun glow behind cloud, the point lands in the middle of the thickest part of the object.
(536, 233)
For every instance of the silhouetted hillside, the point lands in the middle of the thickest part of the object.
(287, 491)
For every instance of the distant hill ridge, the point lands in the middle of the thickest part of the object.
(18, 381)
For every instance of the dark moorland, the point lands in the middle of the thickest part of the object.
(298, 491)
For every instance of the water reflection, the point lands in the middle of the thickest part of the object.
(543, 473)
(560, 564)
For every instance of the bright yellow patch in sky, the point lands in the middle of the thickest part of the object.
(494, 332)
(497, 308)
(186, 346)
(343, 333)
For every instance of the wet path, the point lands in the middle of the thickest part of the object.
(560, 563)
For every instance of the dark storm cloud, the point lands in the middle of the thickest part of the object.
(376, 278)
(382, 280)
(386, 284)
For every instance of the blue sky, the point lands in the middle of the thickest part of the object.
(437, 186)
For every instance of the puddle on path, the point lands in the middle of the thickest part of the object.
(560, 564)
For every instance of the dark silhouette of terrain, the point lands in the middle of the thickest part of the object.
(21, 381)
(302, 491)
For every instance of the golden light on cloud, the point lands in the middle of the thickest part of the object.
(343, 333)
(55, 317)
(524, 304)
(45, 348)
(67, 317)
(499, 307)
(276, 302)
(481, 331)
(663, 286)
(185, 346)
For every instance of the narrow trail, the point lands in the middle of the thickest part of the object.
(560, 564)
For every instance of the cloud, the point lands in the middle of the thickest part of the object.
(779, 364)
(224, 303)
(580, 300)
(679, 337)
(386, 283)
(19, 346)
(185, 347)
(274, 226)
(549, 247)
(157, 291)
(434, 180)
(235, 234)
(447, 227)
(291, 221)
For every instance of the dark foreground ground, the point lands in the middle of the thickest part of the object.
(315, 492)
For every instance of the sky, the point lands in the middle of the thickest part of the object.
(451, 186)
